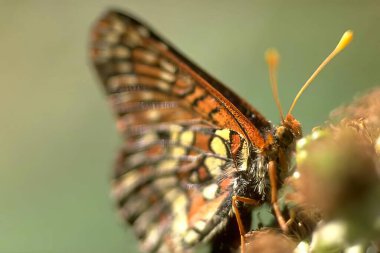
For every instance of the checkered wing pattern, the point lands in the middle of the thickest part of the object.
(184, 136)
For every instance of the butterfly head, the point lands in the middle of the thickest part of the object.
(288, 132)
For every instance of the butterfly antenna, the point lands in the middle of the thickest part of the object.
(344, 41)
(272, 57)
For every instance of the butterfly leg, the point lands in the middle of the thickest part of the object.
(238, 217)
(274, 190)
(292, 218)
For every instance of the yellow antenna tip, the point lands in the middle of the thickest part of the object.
(272, 57)
(344, 41)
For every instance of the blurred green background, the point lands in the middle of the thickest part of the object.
(57, 138)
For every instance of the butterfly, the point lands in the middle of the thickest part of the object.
(195, 155)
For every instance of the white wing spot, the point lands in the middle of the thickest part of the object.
(209, 192)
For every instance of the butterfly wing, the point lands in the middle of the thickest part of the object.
(184, 136)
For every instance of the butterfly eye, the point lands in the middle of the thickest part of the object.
(284, 136)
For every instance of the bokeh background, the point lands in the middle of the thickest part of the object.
(57, 137)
